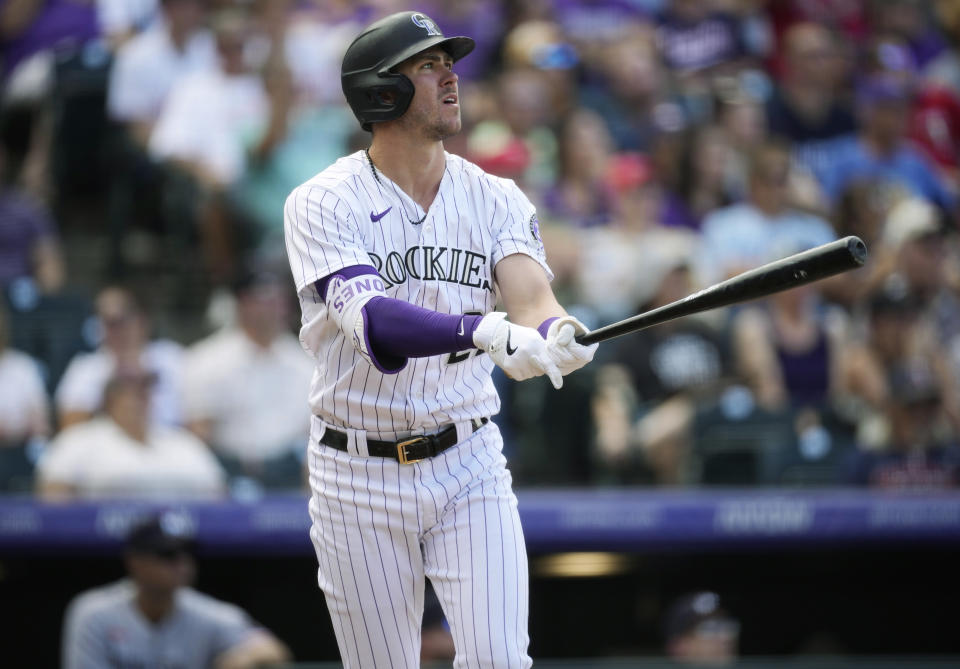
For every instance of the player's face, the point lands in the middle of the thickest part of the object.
(435, 109)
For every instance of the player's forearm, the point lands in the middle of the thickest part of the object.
(526, 291)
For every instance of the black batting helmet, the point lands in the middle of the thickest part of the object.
(365, 73)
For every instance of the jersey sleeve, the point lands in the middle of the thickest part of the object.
(517, 229)
(84, 642)
(321, 234)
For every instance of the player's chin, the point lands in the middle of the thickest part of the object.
(448, 127)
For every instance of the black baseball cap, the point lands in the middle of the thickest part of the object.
(164, 535)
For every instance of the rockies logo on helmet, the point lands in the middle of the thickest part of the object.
(427, 24)
(373, 90)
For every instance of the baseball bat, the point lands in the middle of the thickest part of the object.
(796, 270)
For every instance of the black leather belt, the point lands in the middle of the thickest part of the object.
(404, 451)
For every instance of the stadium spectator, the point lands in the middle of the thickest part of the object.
(36, 36)
(542, 45)
(896, 338)
(910, 21)
(925, 257)
(297, 138)
(148, 66)
(646, 397)
(607, 280)
(789, 349)
(153, 618)
(700, 632)
(934, 120)
(125, 345)
(213, 147)
(922, 454)
(861, 211)
(742, 115)
(244, 387)
(121, 454)
(29, 243)
(517, 141)
(747, 234)
(631, 82)
(201, 124)
(709, 178)
(24, 413)
(805, 108)
(881, 148)
(581, 196)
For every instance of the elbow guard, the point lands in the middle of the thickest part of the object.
(346, 299)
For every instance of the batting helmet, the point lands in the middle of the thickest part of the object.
(365, 73)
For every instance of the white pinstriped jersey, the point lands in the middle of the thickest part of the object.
(343, 217)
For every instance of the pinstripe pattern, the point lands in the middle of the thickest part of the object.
(453, 519)
(381, 528)
(475, 221)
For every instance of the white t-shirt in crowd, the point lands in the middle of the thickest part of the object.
(22, 395)
(206, 119)
(117, 17)
(100, 460)
(148, 66)
(255, 397)
(82, 385)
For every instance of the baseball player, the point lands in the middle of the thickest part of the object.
(400, 254)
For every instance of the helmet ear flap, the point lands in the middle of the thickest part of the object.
(388, 99)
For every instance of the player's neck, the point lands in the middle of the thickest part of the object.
(416, 167)
(155, 607)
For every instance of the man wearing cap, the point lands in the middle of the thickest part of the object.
(881, 149)
(154, 619)
(699, 631)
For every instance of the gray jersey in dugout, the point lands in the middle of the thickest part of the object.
(104, 628)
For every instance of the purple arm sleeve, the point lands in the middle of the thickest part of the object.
(398, 330)
(404, 330)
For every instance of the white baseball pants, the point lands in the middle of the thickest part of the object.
(379, 527)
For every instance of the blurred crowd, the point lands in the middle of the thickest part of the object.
(147, 340)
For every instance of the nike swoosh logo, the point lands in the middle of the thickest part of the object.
(377, 217)
(460, 334)
(510, 351)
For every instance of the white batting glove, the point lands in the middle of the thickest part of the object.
(563, 348)
(520, 351)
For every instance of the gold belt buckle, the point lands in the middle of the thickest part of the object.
(402, 450)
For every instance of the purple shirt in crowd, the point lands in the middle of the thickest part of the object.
(58, 23)
(22, 225)
(692, 46)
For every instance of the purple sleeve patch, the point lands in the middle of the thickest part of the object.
(344, 273)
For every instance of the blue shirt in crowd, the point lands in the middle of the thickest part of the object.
(850, 160)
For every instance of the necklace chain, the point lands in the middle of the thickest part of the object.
(376, 176)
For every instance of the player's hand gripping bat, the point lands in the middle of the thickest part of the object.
(796, 270)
